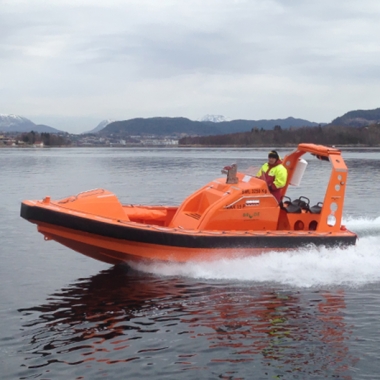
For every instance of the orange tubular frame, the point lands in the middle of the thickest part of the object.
(331, 215)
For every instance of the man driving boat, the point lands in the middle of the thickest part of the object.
(274, 174)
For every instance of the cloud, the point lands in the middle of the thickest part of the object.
(244, 59)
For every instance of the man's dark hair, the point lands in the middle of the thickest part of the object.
(273, 154)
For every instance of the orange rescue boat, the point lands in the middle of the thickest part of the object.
(227, 218)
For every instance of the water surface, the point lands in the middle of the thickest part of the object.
(309, 314)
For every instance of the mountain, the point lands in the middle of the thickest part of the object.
(358, 118)
(247, 125)
(15, 123)
(8, 123)
(164, 126)
(161, 126)
(101, 125)
(42, 128)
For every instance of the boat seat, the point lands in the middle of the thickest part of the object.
(316, 209)
(296, 206)
(291, 208)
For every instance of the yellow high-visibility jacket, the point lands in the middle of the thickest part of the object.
(275, 176)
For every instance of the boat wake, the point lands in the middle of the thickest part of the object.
(306, 267)
(363, 226)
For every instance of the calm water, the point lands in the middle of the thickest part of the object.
(309, 314)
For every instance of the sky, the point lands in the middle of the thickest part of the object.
(72, 63)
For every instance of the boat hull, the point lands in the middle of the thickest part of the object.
(115, 241)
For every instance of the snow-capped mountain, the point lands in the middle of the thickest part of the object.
(15, 123)
(101, 125)
(214, 118)
(10, 122)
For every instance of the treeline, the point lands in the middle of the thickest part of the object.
(324, 135)
(48, 139)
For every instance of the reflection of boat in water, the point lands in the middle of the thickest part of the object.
(224, 219)
(180, 324)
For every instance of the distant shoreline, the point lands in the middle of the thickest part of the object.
(338, 146)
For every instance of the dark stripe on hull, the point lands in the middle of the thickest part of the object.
(173, 239)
